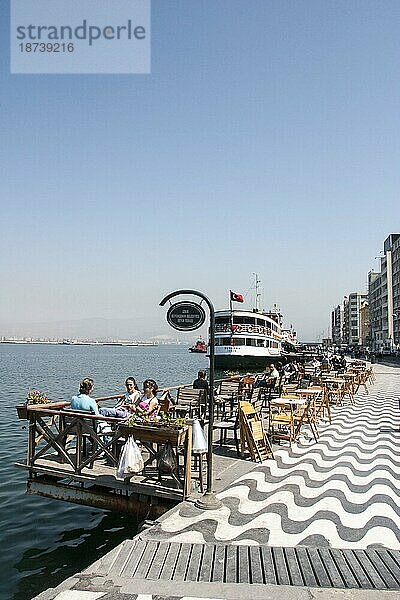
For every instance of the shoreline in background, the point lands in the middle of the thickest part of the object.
(86, 343)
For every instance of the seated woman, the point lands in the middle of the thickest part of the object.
(83, 401)
(126, 405)
(148, 403)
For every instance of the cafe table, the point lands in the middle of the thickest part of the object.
(339, 387)
(352, 380)
(301, 412)
(319, 400)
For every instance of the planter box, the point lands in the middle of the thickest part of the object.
(22, 411)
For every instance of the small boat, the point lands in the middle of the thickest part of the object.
(200, 347)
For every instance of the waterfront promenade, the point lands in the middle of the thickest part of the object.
(318, 518)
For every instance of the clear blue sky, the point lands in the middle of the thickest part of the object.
(265, 139)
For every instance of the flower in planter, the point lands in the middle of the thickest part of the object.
(37, 397)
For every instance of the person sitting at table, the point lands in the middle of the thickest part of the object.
(325, 363)
(300, 373)
(316, 365)
(273, 377)
(201, 382)
(248, 382)
(288, 373)
(148, 402)
(126, 404)
(83, 401)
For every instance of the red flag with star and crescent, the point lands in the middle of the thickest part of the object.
(236, 297)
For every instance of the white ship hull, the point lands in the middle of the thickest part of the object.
(246, 339)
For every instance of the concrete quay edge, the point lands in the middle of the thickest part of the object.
(126, 588)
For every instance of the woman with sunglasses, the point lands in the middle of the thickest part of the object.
(148, 403)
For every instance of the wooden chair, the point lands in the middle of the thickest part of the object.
(319, 401)
(228, 422)
(257, 401)
(335, 390)
(322, 403)
(252, 433)
(228, 390)
(227, 397)
(288, 388)
(281, 421)
(190, 403)
(370, 375)
(305, 416)
(350, 387)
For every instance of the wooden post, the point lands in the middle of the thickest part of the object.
(187, 486)
(79, 442)
(31, 437)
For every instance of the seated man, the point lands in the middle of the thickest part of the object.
(201, 382)
(315, 363)
(270, 379)
(273, 376)
(125, 406)
(83, 401)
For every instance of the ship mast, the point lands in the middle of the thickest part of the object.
(257, 291)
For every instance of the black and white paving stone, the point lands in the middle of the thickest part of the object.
(341, 492)
(85, 595)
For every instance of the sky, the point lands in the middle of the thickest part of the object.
(265, 139)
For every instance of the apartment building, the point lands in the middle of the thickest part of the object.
(384, 298)
(350, 322)
(352, 318)
(396, 291)
(365, 324)
(337, 323)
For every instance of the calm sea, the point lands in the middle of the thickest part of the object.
(45, 541)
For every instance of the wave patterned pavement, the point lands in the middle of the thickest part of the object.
(341, 492)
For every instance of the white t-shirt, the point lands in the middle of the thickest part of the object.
(129, 398)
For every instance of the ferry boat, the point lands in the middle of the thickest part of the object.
(247, 338)
(200, 347)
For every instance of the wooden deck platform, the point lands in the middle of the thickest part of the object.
(311, 567)
(99, 487)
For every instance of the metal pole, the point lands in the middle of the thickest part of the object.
(209, 501)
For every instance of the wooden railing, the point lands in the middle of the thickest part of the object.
(64, 443)
(71, 436)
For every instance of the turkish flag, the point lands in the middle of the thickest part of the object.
(233, 328)
(236, 297)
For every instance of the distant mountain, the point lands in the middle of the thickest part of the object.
(99, 328)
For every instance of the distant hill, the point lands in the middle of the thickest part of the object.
(101, 328)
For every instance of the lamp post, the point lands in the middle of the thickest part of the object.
(208, 501)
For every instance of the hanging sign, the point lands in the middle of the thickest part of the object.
(186, 316)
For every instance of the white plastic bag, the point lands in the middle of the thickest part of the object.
(131, 460)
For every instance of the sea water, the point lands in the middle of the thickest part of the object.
(45, 541)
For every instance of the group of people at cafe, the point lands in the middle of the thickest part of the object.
(133, 401)
(145, 402)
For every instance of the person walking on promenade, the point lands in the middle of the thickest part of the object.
(83, 401)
